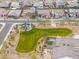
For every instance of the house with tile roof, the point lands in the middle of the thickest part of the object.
(14, 13)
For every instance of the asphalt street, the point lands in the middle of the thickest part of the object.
(7, 27)
(4, 31)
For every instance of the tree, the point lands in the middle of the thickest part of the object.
(78, 1)
(27, 26)
(54, 4)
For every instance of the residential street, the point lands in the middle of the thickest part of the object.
(4, 32)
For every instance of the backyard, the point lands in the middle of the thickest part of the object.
(29, 39)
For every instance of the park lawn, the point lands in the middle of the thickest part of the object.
(28, 39)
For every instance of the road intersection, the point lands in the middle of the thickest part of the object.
(7, 28)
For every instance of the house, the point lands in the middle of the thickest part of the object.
(25, 2)
(45, 13)
(28, 12)
(15, 5)
(48, 2)
(57, 13)
(38, 4)
(72, 13)
(3, 12)
(14, 13)
(9, 0)
(5, 4)
(72, 3)
(60, 3)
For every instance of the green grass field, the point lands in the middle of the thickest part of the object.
(28, 39)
